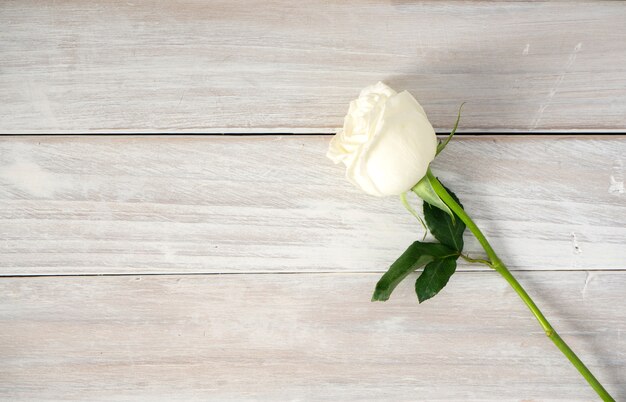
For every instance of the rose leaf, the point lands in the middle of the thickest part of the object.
(434, 277)
(445, 229)
(417, 255)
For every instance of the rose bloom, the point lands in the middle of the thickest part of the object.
(386, 143)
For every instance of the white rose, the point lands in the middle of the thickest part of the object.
(386, 142)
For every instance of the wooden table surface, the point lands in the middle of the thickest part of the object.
(181, 266)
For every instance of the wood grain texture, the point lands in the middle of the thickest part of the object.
(275, 66)
(313, 337)
(96, 205)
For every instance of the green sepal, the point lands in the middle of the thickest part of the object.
(425, 191)
(417, 255)
(442, 145)
(409, 208)
(434, 277)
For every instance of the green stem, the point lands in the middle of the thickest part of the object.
(499, 266)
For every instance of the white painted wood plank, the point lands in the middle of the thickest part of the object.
(255, 66)
(313, 337)
(94, 205)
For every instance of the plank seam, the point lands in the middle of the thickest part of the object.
(595, 270)
(518, 134)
